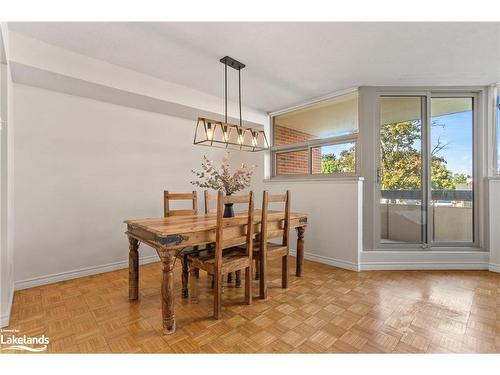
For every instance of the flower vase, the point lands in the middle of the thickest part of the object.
(228, 209)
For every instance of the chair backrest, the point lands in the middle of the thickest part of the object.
(167, 197)
(229, 231)
(282, 216)
(209, 199)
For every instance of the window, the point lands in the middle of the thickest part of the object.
(292, 162)
(334, 158)
(319, 139)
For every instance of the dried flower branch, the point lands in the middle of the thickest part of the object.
(212, 178)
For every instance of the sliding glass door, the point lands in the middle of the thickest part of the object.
(452, 169)
(400, 173)
(425, 178)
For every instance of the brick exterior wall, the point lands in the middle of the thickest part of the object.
(295, 162)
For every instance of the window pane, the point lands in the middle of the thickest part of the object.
(400, 177)
(333, 117)
(293, 162)
(451, 169)
(334, 159)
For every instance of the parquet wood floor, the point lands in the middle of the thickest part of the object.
(328, 310)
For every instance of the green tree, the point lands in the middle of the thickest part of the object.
(401, 163)
(442, 177)
(345, 163)
(400, 156)
(460, 178)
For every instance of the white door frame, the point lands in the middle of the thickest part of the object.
(369, 161)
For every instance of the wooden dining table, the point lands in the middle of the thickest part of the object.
(170, 235)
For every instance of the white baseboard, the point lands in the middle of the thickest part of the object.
(403, 265)
(424, 260)
(366, 266)
(73, 274)
(5, 318)
(494, 267)
(327, 260)
(380, 266)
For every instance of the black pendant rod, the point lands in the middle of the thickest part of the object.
(239, 91)
(225, 92)
(235, 64)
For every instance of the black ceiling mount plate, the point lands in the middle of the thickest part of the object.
(235, 64)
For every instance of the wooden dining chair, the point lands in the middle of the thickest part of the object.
(210, 202)
(230, 233)
(264, 249)
(167, 212)
(211, 208)
(168, 197)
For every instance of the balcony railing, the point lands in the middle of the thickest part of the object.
(452, 214)
(437, 195)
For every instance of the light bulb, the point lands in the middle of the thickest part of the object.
(210, 132)
(254, 140)
(225, 136)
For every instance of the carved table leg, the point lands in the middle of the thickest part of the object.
(300, 250)
(167, 294)
(133, 269)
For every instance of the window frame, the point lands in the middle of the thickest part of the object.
(274, 160)
(370, 113)
(309, 145)
(351, 139)
(496, 130)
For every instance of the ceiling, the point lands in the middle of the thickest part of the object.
(324, 119)
(340, 114)
(287, 63)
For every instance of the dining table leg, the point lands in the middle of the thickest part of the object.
(167, 293)
(300, 250)
(133, 268)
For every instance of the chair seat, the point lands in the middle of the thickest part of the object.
(273, 249)
(193, 250)
(232, 260)
(188, 251)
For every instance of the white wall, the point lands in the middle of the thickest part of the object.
(6, 189)
(81, 168)
(334, 232)
(5, 261)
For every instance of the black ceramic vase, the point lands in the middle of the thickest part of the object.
(228, 209)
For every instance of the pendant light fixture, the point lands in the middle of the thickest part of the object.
(225, 135)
